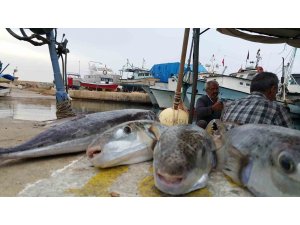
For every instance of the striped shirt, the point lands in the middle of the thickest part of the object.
(256, 108)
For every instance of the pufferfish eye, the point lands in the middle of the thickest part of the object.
(127, 130)
(286, 162)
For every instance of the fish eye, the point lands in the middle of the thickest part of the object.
(127, 130)
(286, 163)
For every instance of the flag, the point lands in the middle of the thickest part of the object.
(248, 55)
(223, 62)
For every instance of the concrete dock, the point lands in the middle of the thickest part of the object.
(48, 89)
(133, 97)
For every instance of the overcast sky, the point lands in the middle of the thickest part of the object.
(115, 45)
(153, 31)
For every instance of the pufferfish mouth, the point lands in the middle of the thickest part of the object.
(169, 179)
(92, 151)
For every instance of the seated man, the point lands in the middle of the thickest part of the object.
(260, 106)
(208, 107)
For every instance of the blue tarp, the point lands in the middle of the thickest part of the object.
(164, 71)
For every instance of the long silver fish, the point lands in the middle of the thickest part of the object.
(263, 158)
(183, 158)
(127, 143)
(74, 135)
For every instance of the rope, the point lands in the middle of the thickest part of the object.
(63, 110)
(177, 99)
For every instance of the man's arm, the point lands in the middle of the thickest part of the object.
(202, 110)
(284, 119)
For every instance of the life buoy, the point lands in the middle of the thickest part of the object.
(104, 72)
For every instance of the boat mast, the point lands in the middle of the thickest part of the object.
(283, 78)
(289, 66)
(224, 70)
(258, 58)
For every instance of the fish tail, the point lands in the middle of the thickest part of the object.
(5, 151)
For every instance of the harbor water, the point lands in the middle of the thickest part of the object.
(45, 109)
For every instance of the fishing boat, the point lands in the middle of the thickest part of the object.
(290, 82)
(100, 77)
(134, 78)
(74, 80)
(164, 90)
(6, 84)
(151, 95)
(6, 81)
(294, 85)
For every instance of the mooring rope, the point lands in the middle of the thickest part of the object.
(64, 109)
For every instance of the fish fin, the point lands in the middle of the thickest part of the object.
(153, 129)
(156, 132)
(234, 163)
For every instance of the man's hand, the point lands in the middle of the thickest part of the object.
(218, 106)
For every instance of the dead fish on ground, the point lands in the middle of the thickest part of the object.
(182, 155)
(74, 135)
(127, 143)
(263, 158)
(183, 158)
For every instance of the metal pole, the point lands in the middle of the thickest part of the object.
(4, 68)
(195, 72)
(79, 67)
(61, 94)
(283, 80)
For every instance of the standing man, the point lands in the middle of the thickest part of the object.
(208, 107)
(260, 106)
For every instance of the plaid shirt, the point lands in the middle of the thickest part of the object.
(256, 108)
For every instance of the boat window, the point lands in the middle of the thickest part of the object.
(291, 81)
(247, 84)
(297, 79)
(241, 83)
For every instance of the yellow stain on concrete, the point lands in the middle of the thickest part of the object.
(99, 184)
(231, 182)
(146, 188)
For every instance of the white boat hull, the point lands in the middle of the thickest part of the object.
(164, 97)
(151, 95)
